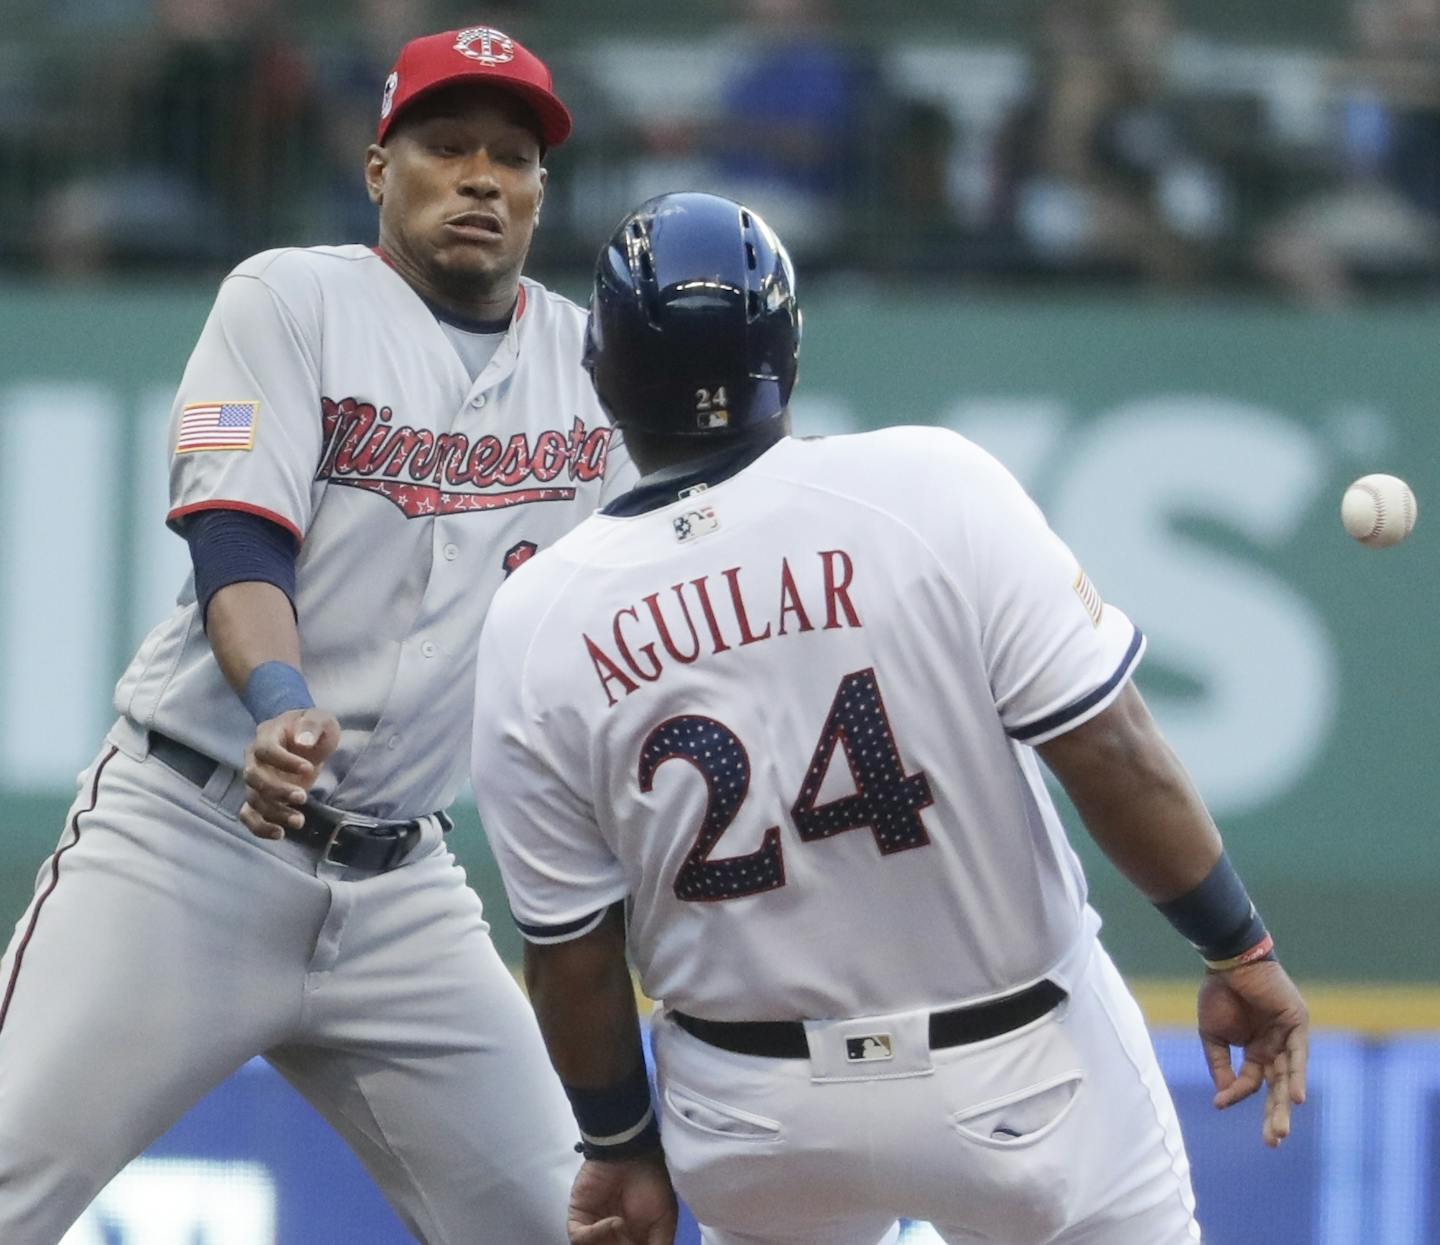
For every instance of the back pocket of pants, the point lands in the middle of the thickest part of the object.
(717, 1118)
(1021, 1118)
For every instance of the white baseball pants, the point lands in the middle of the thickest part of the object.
(1061, 1132)
(166, 946)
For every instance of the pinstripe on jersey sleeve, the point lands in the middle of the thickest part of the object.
(559, 873)
(1056, 653)
(254, 353)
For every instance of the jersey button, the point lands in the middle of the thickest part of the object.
(428, 649)
(393, 742)
(478, 401)
(452, 552)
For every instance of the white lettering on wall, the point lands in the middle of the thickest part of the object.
(1133, 491)
(1022, 433)
(57, 533)
(181, 1202)
(1120, 490)
(161, 559)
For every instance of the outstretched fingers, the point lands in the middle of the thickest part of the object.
(1276, 1126)
(1297, 1047)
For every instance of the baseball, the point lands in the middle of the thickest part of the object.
(1379, 510)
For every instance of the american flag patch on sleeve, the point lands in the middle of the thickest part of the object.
(216, 426)
(1089, 598)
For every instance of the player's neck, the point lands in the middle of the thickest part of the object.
(651, 453)
(479, 303)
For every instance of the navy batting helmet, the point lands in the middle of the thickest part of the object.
(694, 327)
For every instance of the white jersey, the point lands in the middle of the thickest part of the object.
(791, 717)
(324, 395)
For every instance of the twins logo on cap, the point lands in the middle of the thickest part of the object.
(481, 55)
(494, 47)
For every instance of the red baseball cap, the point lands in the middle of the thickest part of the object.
(478, 54)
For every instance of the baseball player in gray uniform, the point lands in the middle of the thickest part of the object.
(367, 442)
(771, 720)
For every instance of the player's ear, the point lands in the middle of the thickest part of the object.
(377, 160)
(540, 198)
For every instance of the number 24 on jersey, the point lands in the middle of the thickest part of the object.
(887, 801)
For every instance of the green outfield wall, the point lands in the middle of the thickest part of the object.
(1193, 456)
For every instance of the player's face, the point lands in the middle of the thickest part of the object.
(459, 185)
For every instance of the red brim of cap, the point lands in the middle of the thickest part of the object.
(554, 117)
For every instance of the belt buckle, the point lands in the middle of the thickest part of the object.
(369, 830)
(331, 840)
(340, 822)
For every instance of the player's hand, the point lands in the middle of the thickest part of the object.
(1257, 1008)
(281, 765)
(623, 1202)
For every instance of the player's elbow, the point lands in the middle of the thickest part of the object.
(579, 965)
(1119, 747)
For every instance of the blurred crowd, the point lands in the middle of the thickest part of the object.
(1111, 146)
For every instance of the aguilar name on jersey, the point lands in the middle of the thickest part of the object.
(370, 441)
(747, 675)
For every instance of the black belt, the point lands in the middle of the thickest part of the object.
(348, 839)
(785, 1039)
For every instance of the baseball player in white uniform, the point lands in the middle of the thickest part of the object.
(784, 701)
(367, 442)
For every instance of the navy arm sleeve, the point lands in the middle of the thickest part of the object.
(233, 546)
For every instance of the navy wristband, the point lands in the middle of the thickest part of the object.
(274, 688)
(1217, 916)
(646, 1141)
(616, 1122)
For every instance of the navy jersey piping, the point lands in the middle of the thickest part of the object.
(556, 933)
(1086, 702)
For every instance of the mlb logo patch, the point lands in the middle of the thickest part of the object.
(695, 523)
(871, 1048)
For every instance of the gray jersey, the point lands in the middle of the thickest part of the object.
(324, 395)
